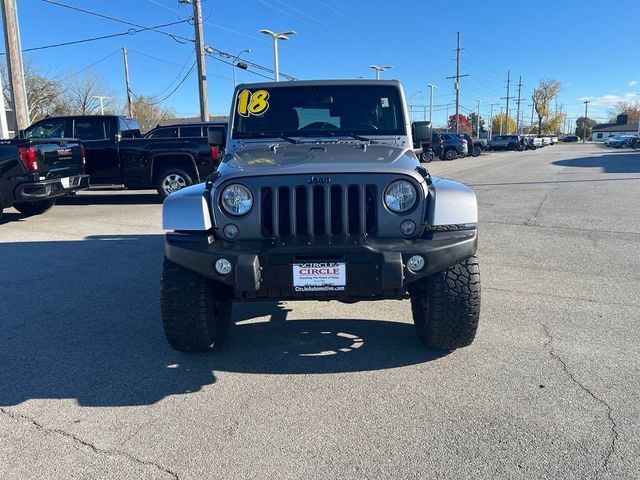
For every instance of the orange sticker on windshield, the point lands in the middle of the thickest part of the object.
(252, 103)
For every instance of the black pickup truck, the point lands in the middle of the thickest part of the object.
(35, 173)
(116, 153)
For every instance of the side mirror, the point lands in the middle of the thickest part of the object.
(422, 132)
(21, 134)
(216, 136)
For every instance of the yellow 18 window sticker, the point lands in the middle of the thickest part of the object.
(252, 103)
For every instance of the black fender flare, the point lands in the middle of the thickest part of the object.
(181, 155)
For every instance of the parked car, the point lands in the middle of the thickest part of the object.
(474, 148)
(570, 138)
(507, 142)
(546, 141)
(320, 197)
(183, 130)
(116, 153)
(532, 142)
(620, 141)
(448, 146)
(34, 173)
(612, 139)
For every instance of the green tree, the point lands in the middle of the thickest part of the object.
(584, 127)
(473, 119)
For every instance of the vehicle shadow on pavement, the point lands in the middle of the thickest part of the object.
(81, 320)
(609, 163)
(109, 198)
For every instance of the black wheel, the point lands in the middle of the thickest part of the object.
(172, 180)
(450, 154)
(196, 311)
(446, 306)
(34, 208)
(476, 151)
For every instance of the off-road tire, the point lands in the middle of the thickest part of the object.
(446, 306)
(476, 151)
(196, 311)
(37, 207)
(450, 154)
(167, 173)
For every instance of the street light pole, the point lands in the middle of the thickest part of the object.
(235, 60)
(276, 37)
(101, 98)
(431, 87)
(379, 69)
(411, 104)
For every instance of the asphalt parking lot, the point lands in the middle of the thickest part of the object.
(550, 388)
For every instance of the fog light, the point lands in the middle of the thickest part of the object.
(408, 228)
(415, 263)
(223, 266)
(231, 231)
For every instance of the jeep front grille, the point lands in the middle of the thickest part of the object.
(313, 210)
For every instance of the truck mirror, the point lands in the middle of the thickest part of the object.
(216, 136)
(21, 134)
(422, 132)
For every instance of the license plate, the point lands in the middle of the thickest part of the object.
(66, 181)
(319, 277)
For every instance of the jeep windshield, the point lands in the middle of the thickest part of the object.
(355, 111)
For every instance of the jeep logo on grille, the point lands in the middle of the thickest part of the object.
(318, 180)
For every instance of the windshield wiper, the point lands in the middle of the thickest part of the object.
(358, 137)
(289, 139)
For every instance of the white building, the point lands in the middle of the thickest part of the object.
(622, 127)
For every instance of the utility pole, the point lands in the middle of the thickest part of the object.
(491, 120)
(202, 68)
(126, 82)
(518, 109)
(506, 119)
(532, 105)
(457, 77)
(14, 63)
(584, 122)
(501, 108)
(478, 120)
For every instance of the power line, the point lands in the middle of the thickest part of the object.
(175, 89)
(89, 66)
(131, 31)
(177, 38)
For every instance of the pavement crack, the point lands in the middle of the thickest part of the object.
(613, 426)
(83, 443)
(532, 221)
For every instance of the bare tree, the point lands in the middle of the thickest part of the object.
(149, 113)
(542, 97)
(45, 95)
(632, 109)
(82, 92)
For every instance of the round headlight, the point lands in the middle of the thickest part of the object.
(236, 199)
(400, 196)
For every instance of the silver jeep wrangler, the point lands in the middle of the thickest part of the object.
(320, 196)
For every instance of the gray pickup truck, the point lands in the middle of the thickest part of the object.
(320, 196)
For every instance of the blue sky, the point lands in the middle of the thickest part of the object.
(592, 50)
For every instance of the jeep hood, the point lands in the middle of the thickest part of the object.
(315, 158)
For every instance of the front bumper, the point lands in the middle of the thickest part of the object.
(53, 188)
(375, 268)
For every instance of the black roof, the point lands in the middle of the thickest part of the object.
(614, 127)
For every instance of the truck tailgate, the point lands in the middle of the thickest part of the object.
(58, 158)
